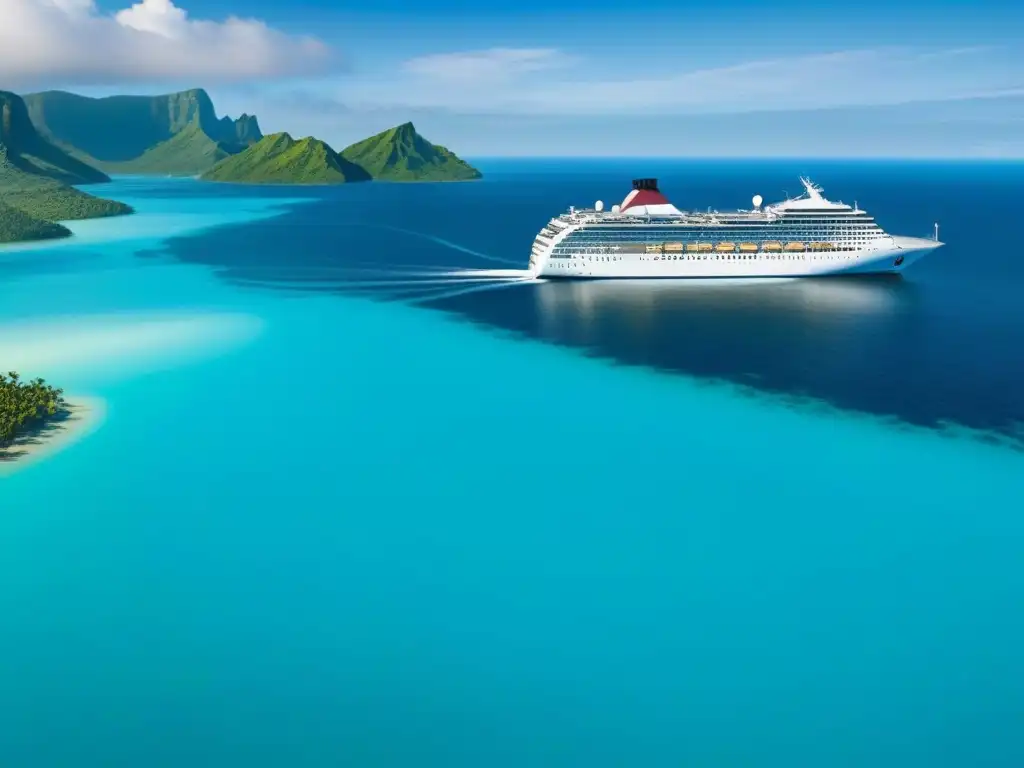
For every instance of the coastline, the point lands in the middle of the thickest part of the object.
(10, 246)
(83, 417)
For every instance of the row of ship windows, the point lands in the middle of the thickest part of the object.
(846, 242)
(730, 225)
(715, 257)
(721, 223)
(568, 253)
(733, 232)
(712, 225)
(704, 237)
(710, 257)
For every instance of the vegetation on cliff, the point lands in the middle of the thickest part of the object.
(189, 152)
(176, 134)
(402, 154)
(16, 225)
(31, 205)
(280, 159)
(27, 151)
(26, 405)
(33, 172)
(180, 134)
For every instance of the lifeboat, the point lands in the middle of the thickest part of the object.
(654, 247)
(704, 247)
(772, 245)
(795, 247)
(748, 247)
(673, 247)
(725, 247)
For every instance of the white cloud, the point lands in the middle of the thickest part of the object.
(71, 42)
(487, 66)
(497, 82)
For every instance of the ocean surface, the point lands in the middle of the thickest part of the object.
(365, 496)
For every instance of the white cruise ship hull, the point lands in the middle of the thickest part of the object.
(903, 253)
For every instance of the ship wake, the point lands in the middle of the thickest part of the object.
(441, 241)
(391, 281)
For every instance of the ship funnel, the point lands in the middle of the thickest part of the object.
(646, 200)
(650, 184)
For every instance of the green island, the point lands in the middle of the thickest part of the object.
(27, 407)
(402, 154)
(34, 181)
(280, 159)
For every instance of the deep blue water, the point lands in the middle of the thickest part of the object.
(341, 515)
(941, 344)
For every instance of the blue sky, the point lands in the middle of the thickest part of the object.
(546, 78)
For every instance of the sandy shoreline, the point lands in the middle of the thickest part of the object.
(85, 415)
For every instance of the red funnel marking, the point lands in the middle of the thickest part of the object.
(643, 197)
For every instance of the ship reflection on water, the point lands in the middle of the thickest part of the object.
(724, 328)
(817, 298)
(854, 342)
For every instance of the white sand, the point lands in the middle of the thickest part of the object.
(57, 344)
(86, 414)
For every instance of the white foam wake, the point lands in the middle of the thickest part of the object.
(486, 286)
(446, 243)
(494, 274)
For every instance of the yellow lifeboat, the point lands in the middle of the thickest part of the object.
(704, 247)
(725, 247)
(691, 247)
(674, 247)
(654, 247)
(772, 245)
(795, 247)
(748, 247)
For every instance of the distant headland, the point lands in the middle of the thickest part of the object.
(52, 140)
(397, 154)
(35, 179)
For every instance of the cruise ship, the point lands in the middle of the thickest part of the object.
(647, 237)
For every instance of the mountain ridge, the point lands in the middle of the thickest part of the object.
(403, 154)
(180, 134)
(280, 159)
(125, 134)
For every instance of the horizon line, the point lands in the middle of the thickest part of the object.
(758, 158)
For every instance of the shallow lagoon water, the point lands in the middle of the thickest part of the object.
(352, 531)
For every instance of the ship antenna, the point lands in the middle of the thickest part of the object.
(936, 231)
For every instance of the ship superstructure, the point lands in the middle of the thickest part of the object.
(647, 236)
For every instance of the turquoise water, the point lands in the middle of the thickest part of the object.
(323, 530)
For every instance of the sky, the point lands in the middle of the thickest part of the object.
(535, 78)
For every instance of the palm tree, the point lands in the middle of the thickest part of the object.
(25, 406)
